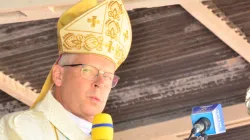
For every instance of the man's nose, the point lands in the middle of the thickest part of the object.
(99, 82)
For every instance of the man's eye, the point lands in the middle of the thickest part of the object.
(108, 78)
(86, 70)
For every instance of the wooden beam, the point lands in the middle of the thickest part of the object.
(218, 27)
(19, 11)
(15, 89)
(170, 137)
(10, 5)
(172, 129)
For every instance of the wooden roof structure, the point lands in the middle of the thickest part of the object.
(184, 53)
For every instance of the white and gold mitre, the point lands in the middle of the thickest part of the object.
(103, 29)
(91, 28)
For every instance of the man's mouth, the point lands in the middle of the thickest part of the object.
(95, 98)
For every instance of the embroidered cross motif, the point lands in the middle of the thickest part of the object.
(125, 35)
(93, 21)
(110, 46)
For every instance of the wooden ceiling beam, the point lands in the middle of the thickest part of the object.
(219, 27)
(164, 130)
(15, 89)
(25, 10)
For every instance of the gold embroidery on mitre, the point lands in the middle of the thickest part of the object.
(119, 55)
(110, 46)
(114, 13)
(113, 29)
(91, 42)
(125, 35)
(103, 29)
(115, 10)
(73, 41)
(94, 21)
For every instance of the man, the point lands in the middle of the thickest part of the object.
(247, 100)
(93, 39)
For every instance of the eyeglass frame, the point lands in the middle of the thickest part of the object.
(99, 71)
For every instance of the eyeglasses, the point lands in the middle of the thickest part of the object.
(89, 72)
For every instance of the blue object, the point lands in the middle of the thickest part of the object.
(214, 114)
(103, 125)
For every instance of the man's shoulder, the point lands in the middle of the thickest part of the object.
(25, 125)
(29, 118)
(31, 115)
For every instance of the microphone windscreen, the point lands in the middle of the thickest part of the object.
(214, 114)
(102, 128)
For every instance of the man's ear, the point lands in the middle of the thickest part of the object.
(57, 74)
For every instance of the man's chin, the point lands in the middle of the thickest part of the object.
(92, 112)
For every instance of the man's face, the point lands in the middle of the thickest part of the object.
(82, 97)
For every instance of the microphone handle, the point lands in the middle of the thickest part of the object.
(202, 138)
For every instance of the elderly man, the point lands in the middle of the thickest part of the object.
(93, 39)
